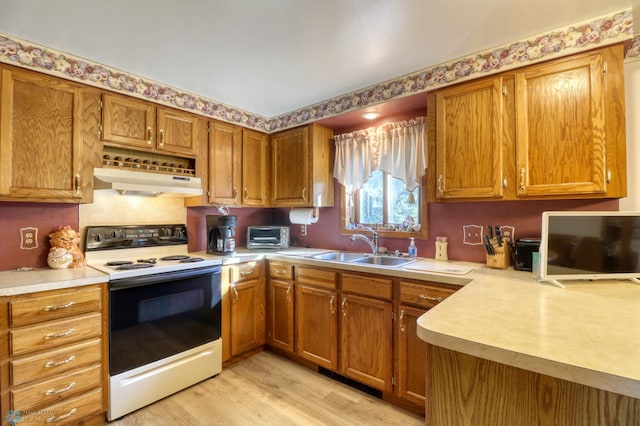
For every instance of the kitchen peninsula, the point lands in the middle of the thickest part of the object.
(505, 349)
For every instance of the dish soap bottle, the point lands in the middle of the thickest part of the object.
(412, 251)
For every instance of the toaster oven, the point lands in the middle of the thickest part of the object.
(261, 237)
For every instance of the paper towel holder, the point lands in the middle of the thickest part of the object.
(303, 228)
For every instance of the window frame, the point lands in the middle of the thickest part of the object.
(423, 234)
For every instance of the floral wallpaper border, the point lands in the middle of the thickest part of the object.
(596, 32)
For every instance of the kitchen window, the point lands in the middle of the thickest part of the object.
(381, 171)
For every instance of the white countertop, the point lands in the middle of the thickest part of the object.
(587, 333)
(41, 279)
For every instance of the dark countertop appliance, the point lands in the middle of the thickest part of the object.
(524, 249)
(221, 234)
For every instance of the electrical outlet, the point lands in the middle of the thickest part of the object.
(472, 234)
(28, 238)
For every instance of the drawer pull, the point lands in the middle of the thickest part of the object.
(246, 272)
(280, 271)
(432, 299)
(57, 391)
(56, 419)
(51, 364)
(55, 336)
(55, 308)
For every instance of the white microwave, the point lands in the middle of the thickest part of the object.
(261, 237)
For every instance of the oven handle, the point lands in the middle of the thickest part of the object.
(142, 280)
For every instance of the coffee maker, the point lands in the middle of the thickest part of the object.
(221, 235)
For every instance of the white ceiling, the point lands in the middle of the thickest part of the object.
(270, 57)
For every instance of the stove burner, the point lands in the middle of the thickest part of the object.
(151, 260)
(191, 259)
(135, 266)
(175, 257)
(119, 263)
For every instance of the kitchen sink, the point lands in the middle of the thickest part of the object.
(384, 260)
(339, 256)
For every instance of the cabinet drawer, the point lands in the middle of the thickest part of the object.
(30, 310)
(316, 277)
(67, 412)
(28, 368)
(423, 294)
(281, 270)
(245, 271)
(57, 389)
(55, 333)
(375, 287)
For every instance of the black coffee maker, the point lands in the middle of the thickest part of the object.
(221, 235)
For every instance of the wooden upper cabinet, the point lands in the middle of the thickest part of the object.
(133, 123)
(301, 169)
(41, 148)
(225, 156)
(128, 121)
(255, 168)
(560, 127)
(177, 132)
(552, 130)
(238, 161)
(469, 149)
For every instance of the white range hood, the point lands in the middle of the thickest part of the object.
(128, 182)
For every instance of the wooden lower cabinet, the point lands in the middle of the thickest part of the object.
(280, 305)
(247, 297)
(54, 356)
(317, 316)
(367, 340)
(411, 356)
(243, 308)
(367, 330)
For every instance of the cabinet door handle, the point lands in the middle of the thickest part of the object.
(235, 294)
(161, 137)
(149, 137)
(56, 307)
(289, 293)
(431, 299)
(56, 419)
(76, 183)
(522, 171)
(332, 304)
(55, 336)
(440, 190)
(245, 194)
(344, 306)
(50, 364)
(304, 193)
(235, 194)
(58, 391)
(402, 325)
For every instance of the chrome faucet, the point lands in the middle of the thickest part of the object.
(373, 242)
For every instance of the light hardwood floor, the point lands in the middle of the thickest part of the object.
(267, 389)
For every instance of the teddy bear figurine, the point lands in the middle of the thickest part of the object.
(64, 251)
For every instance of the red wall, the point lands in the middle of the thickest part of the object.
(46, 217)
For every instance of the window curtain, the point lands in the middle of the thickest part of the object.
(397, 148)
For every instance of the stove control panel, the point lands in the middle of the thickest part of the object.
(132, 236)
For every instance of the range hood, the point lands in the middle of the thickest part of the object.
(128, 182)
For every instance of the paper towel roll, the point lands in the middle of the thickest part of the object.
(303, 216)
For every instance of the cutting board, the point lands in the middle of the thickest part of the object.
(430, 265)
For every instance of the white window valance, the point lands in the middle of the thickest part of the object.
(397, 148)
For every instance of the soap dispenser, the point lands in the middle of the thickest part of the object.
(412, 251)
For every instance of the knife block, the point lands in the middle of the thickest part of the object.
(502, 258)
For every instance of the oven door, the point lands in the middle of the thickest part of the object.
(155, 316)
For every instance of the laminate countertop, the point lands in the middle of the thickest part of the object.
(587, 333)
(41, 279)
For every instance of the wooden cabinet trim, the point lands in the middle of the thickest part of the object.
(368, 285)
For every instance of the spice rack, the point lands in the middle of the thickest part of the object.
(117, 158)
